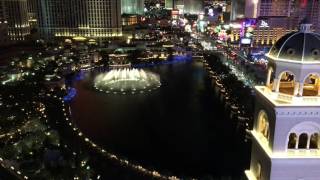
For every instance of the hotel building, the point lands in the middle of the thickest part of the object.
(293, 11)
(169, 4)
(4, 39)
(186, 6)
(193, 6)
(279, 17)
(237, 9)
(14, 14)
(74, 18)
(3, 27)
(32, 13)
(286, 132)
(132, 7)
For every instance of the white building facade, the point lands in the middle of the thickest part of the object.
(286, 131)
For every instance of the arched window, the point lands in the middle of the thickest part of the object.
(292, 141)
(263, 124)
(303, 141)
(286, 85)
(314, 141)
(311, 85)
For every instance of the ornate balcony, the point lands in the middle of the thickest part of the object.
(282, 98)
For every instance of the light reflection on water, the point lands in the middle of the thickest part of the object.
(180, 127)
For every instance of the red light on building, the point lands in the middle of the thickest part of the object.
(303, 3)
(175, 12)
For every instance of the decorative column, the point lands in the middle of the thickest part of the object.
(268, 77)
(308, 143)
(301, 89)
(296, 88)
(297, 141)
(277, 81)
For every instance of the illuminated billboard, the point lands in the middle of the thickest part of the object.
(246, 41)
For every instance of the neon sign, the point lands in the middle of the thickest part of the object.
(264, 24)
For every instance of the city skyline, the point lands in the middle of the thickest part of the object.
(164, 89)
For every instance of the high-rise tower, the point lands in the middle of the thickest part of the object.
(3, 26)
(286, 133)
(186, 6)
(237, 9)
(193, 6)
(169, 4)
(132, 7)
(87, 18)
(306, 9)
(267, 8)
(15, 12)
(32, 13)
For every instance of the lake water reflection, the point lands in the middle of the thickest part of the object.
(179, 128)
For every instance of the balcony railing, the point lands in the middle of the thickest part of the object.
(279, 98)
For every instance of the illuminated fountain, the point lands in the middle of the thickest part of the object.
(125, 81)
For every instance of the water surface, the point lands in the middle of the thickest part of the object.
(180, 128)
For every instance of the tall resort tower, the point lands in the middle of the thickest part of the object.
(286, 131)
(98, 19)
(132, 7)
(14, 13)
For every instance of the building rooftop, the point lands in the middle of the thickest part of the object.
(301, 46)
